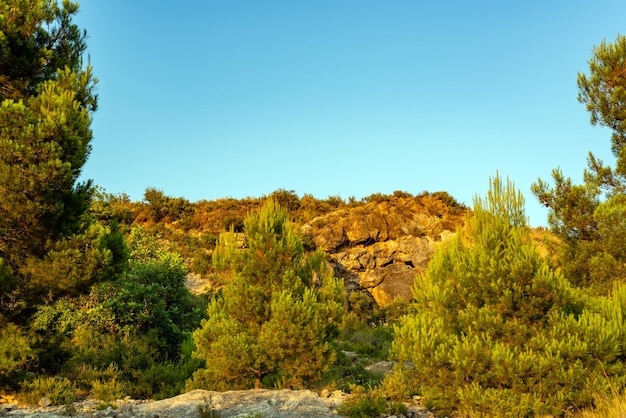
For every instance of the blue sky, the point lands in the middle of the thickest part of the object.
(210, 99)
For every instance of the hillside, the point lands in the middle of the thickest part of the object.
(376, 244)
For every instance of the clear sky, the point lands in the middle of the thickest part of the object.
(207, 99)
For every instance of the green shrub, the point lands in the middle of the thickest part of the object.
(287, 199)
(207, 410)
(361, 304)
(165, 380)
(345, 373)
(201, 261)
(392, 312)
(15, 353)
(60, 391)
(373, 342)
(234, 223)
(84, 375)
(397, 385)
(364, 334)
(362, 403)
(108, 391)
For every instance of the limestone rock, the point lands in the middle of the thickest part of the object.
(383, 245)
(390, 282)
(383, 367)
(264, 402)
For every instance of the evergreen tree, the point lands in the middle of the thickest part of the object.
(603, 92)
(275, 316)
(46, 102)
(488, 335)
(589, 218)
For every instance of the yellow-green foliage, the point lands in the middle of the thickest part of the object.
(499, 332)
(15, 352)
(278, 310)
(60, 391)
(107, 390)
(363, 403)
(127, 335)
(72, 264)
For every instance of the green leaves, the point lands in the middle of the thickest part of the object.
(15, 350)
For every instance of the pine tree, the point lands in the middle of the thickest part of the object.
(589, 218)
(46, 101)
(276, 314)
(484, 339)
(603, 92)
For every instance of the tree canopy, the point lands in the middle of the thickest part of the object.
(46, 102)
(589, 217)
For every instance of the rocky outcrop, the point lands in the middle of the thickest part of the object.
(382, 245)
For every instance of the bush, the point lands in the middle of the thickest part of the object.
(234, 223)
(362, 403)
(129, 359)
(165, 380)
(207, 410)
(361, 304)
(287, 199)
(108, 391)
(345, 373)
(60, 391)
(84, 376)
(201, 261)
(15, 353)
(397, 385)
(373, 342)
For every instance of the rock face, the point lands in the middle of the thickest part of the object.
(381, 246)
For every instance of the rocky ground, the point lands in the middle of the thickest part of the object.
(264, 403)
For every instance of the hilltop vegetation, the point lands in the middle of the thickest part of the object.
(502, 320)
(192, 228)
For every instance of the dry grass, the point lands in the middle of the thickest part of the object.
(613, 406)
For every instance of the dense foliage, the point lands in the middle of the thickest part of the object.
(46, 102)
(78, 299)
(128, 329)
